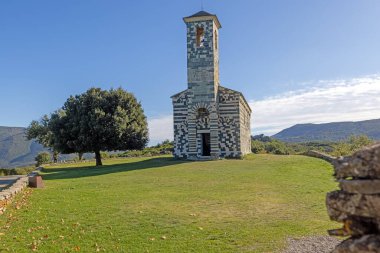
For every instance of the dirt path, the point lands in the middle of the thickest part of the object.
(311, 244)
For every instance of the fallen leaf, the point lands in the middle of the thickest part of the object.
(34, 246)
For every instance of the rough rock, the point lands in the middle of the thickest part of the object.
(360, 186)
(364, 244)
(341, 205)
(357, 204)
(363, 164)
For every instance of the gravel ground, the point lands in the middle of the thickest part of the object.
(311, 244)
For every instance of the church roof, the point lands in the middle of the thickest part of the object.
(179, 93)
(240, 94)
(202, 15)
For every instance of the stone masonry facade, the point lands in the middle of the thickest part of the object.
(210, 121)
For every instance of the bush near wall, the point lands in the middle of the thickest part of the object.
(17, 171)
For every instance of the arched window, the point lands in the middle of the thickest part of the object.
(200, 36)
(202, 112)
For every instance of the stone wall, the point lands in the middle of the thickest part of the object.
(320, 155)
(245, 126)
(229, 123)
(180, 121)
(357, 203)
(7, 195)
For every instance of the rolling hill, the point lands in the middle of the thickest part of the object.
(330, 131)
(15, 150)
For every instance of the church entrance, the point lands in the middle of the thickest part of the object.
(206, 148)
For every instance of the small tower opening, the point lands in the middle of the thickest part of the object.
(200, 36)
(216, 39)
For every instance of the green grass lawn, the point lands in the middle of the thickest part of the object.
(164, 205)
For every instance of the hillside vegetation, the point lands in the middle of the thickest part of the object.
(15, 150)
(262, 144)
(330, 131)
(165, 205)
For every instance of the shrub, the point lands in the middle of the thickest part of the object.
(257, 147)
(42, 158)
(353, 144)
(104, 155)
(265, 144)
(277, 148)
(17, 171)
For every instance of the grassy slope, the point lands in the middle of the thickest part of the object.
(217, 206)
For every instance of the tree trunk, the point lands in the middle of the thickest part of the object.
(98, 158)
(55, 156)
(80, 156)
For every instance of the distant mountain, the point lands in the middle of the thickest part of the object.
(15, 150)
(330, 131)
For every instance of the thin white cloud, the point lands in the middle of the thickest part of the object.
(326, 101)
(160, 129)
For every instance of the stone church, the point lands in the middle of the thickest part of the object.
(210, 121)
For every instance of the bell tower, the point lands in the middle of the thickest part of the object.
(203, 54)
(203, 84)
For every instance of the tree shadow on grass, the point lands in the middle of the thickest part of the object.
(90, 171)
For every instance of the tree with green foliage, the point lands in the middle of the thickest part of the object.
(353, 144)
(39, 130)
(42, 158)
(357, 142)
(262, 138)
(257, 147)
(266, 144)
(277, 147)
(99, 120)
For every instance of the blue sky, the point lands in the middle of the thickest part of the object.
(272, 51)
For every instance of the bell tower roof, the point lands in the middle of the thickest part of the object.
(201, 16)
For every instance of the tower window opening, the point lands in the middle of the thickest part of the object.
(200, 36)
(216, 39)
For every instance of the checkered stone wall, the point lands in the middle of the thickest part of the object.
(229, 123)
(180, 125)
